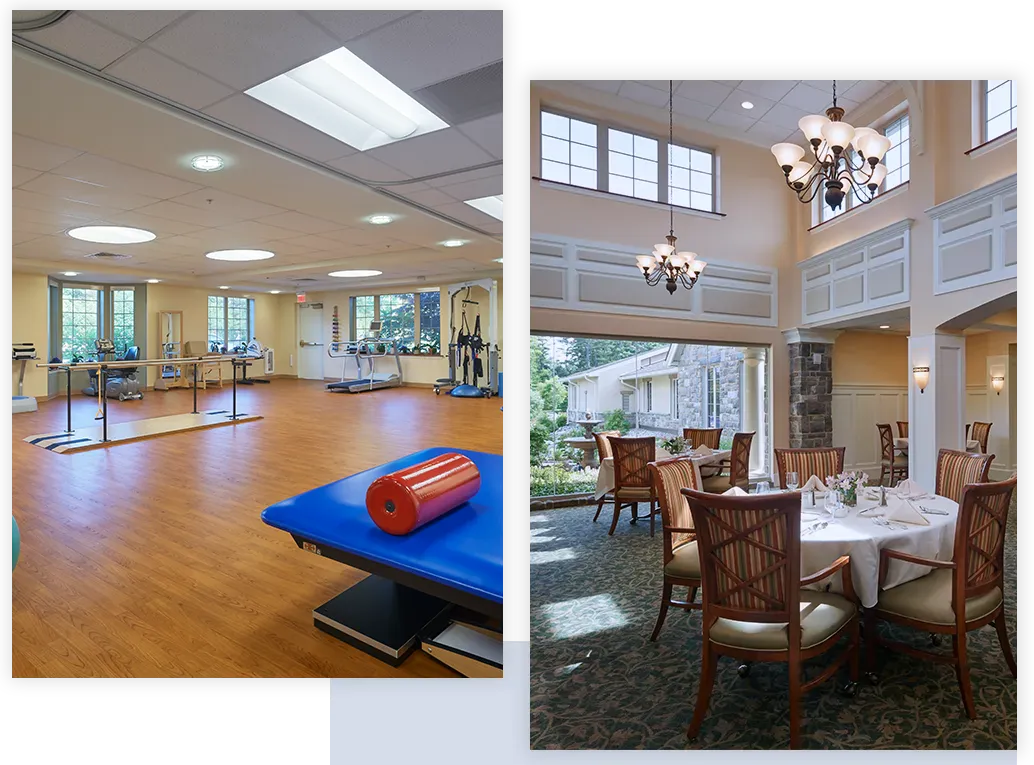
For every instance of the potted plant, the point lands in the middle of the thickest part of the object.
(849, 485)
(675, 445)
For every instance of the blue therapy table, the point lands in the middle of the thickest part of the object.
(456, 560)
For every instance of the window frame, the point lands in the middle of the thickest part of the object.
(417, 324)
(712, 395)
(105, 322)
(603, 128)
(249, 314)
(984, 119)
(888, 123)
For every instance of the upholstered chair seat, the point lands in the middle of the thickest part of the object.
(685, 562)
(823, 614)
(928, 599)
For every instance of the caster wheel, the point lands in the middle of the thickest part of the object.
(874, 679)
(743, 670)
(437, 392)
(935, 639)
(634, 521)
(850, 690)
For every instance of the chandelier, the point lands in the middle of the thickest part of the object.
(846, 159)
(666, 262)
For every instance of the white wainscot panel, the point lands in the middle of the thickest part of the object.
(975, 238)
(856, 411)
(857, 277)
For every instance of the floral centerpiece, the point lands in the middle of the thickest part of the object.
(848, 484)
(675, 445)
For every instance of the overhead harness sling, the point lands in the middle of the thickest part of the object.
(471, 344)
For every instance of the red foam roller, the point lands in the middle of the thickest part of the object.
(407, 499)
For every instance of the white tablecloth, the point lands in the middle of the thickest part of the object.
(858, 536)
(605, 479)
(902, 444)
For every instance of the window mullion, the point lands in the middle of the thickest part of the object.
(602, 158)
(664, 171)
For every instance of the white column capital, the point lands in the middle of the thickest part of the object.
(805, 335)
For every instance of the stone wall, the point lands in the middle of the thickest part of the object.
(811, 395)
(692, 411)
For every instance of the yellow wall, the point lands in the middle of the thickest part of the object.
(870, 358)
(30, 324)
(978, 348)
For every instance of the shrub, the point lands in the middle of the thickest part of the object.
(616, 420)
(554, 479)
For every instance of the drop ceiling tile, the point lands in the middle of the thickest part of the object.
(20, 175)
(432, 153)
(54, 221)
(863, 90)
(252, 116)
(244, 48)
(189, 214)
(230, 206)
(356, 237)
(347, 25)
(253, 231)
(96, 169)
(79, 38)
(484, 187)
(431, 46)
(812, 100)
(737, 97)
(704, 91)
(731, 119)
(689, 108)
(136, 24)
(467, 214)
(296, 221)
(607, 86)
(785, 116)
(463, 177)
(21, 237)
(433, 197)
(826, 86)
(642, 93)
(769, 132)
(83, 191)
(486, 133)
(405, 189)
(163, 76)
(81, 210)
(160, 226)
(773, 90)
(366, 168)
(314, 243)
(39, 155)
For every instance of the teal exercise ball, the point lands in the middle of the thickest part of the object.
(17, 538)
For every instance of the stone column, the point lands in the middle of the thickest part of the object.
(753, 406)
(811, 387)
(936, 416)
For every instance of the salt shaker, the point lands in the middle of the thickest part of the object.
(883, 496)
(810, 494)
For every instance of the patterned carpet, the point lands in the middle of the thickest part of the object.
(597, 682)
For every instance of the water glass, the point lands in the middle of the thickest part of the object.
(792, 481)
(832, 503)
(762, 487)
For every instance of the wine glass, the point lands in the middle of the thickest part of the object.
(762, 487)
(792, 481)
(831, 502)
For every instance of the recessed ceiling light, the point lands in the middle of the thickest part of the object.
(207, 163)
(884, 326)
(453, 243)
(747, 105)
(111, 234)
(354, 274)
(154, 281)
(239, 255)
(223, 287)
(69, 273)
(341, 95)
(498, 260)
(274, 292)
(380, 220)
(488, 205)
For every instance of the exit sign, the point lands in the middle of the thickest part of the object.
(301, 297)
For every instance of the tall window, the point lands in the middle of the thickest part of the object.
(626, 401)
(713, 396)
(649, 395)
(430, 321)
(999, 108)
(80, 322)
(692, 178)
(632, 161)
(568, 150)
(363, 312)
(408, 318)
(122, 308)
(897, 157)
(229, 321)
(674, 409)
(398, 318)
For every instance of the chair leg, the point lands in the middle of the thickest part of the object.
(1003, 638)
(856, 649)
(617, 512)
(958, 644)
(871, 641)
(599, 508)
(653, 515)
(795, 704)
(635, 512)
(692, 595)
(665, 602)
(707, 673)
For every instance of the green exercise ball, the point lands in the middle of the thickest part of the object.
(17, 538)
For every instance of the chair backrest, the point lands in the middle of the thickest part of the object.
(980, 539)
(632, 457)
(603, 442)
(750, 556)
(821, 462)
(886, 441)
(902, 429)
(670, 477)
(739, 461)
(956, 469)
(981, 430)
(711, 437)
(195, 348)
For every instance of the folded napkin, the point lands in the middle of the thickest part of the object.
(903, 512)
(901, 443)
(911, 490)
(736, 491)
(814, 484)
(703, 451)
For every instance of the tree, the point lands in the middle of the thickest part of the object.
(585, 353)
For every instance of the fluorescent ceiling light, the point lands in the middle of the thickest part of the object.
(453, 243)
(498, 260)
(70, 273)
(489, 205)
(111, 234)
(354, 274)
(154, 281)
(884, 326)
(380, 220)
(274, 292)
(747, 105)
(341, 95)
(207, 163)
(239, 255)
(223, 287)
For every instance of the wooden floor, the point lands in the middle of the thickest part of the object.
(150, 559)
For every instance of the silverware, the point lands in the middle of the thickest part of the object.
(889, 524)
(815, 527)
(932, 511)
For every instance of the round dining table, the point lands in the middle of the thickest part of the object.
(865, 530)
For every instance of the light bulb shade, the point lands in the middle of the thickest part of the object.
(922, 377)
(879, 173)
(998, 384)
(875, 146)
(677, 260)
(838, 134)
(646, 262)
(663, 250)
(697, 266)
(860, 136)
(787, 154)
(799, 173)
(812, 126)
(688, 257)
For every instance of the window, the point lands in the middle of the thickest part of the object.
(229, 322)
(999, 108)
(626, 402)
(649, 395)
(398, 318)
(363, 312)
(430, 321)
(712, 396)
(674, 398)
(405, 318)
(80, 322)
(897, 157)
(606, 158)
(122, 310)
(569, 150)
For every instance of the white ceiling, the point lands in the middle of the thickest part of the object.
(716, 104)
(95, 151)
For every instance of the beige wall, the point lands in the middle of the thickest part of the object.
(870, 358)
(30, 323)
(978, 348)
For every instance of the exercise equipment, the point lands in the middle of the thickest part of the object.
(16, 540)
(402, 502)
(471, 357)
(123, 382)
(254, 350)
(23, 353)
(446, 573)
(365, 348)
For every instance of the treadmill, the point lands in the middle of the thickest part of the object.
(365, 348)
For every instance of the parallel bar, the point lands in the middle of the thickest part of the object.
(195, 389)
(102, 378)
(68, 395)
(141, 363)
(234, 417)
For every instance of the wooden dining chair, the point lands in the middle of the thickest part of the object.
(754, 606)
(632, 480)
(734, 471)
(711, 437)
(958, 596)
(820, 462)
(956, 469)
(902, 429)
(681, 562)
(604, 451)
(981, 430)
(892, 462)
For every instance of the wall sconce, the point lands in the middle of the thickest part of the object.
(997, 382)
(922, 376)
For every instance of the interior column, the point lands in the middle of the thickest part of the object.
(753, 406)
(935, 413)
(811, 387)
